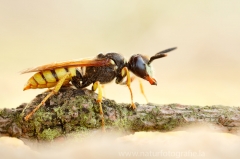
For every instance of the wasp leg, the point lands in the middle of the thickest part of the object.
(54, 91)
(142, 89)
(128, 83)
(103, 90)
(140, 85)
(98, 86)
(48, 90)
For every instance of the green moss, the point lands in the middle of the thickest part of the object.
(90, 123)
(42, 115)
(81, 129)
(37, 126)
(171, 124)
(70, 111)
(59, 111)
(50, 134)
(121, 124)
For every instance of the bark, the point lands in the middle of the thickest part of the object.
(76, 111)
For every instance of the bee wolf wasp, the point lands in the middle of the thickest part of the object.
(84, 72)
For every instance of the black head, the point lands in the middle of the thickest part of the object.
(141, 65)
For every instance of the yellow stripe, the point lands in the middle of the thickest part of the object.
(42, 86)
(49, 85)
(49, 76)
(72, 70)
(32, 82)
(38, 77)
(60, 72)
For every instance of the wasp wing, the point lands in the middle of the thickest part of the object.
(72, 63)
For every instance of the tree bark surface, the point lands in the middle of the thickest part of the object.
(76, 111)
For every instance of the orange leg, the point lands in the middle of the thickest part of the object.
(98, 86)
(140, 85)
(128, 83)
(54, 91)
(103, 90)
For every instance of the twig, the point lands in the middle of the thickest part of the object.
(74, 110)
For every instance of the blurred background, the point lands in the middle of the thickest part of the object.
(204, 70)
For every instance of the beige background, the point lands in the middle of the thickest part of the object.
(204, 70)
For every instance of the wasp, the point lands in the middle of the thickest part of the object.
(96, 71)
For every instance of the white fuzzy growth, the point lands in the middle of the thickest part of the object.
(149, 70)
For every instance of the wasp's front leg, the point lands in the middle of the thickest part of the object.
(140, 85)
(142, 89)
(125, 72)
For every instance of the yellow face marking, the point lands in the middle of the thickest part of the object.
(123, 72)
(49, 76)
(38, 77)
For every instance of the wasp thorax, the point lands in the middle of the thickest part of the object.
(138, 64)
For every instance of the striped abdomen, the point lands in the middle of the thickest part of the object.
(49, 78)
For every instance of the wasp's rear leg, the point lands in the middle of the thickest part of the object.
(125, 72)
(103, 90)
(142, 89)
(98, 86)
(53, 91)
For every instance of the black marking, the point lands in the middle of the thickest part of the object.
(43, 77)
(78, 74)
(35, 80)
(54, 75)
(77, 80)
(66, 69)
(80, 71)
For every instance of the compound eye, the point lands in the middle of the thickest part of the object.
(138, 65)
